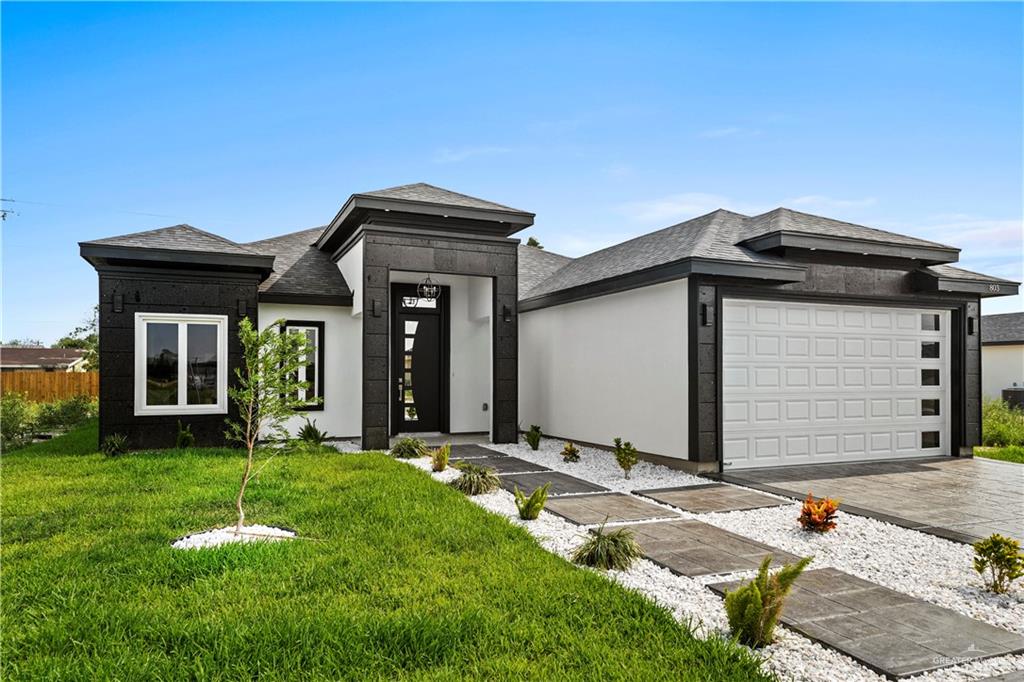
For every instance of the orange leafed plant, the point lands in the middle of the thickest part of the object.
(819, 515)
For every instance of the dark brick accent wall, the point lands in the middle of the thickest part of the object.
(828, 282)
(161, 292)
(383, 252)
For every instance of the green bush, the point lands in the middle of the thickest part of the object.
(410, 448)
(533, 436)
(570, 453)
(1000, 424)
(530, 507)
(310, 439)
(999, 561)
(475, 480)
(615, 549)
(66, 414)
(184, 439)
(17, 421)
(439, 457)
(625, 455)
(753, 610)
(115, 444)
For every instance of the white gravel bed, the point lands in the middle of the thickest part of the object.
(228, 536)
(599, 466)
(914, 563)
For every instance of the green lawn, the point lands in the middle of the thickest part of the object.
(1011, 453)
(400, 578)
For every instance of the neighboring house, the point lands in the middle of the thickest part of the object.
(30, 359)
(1002, 353)
(724, 341)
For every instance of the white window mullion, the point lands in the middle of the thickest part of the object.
(182, 363)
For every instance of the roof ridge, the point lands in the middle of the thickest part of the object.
(320, 228)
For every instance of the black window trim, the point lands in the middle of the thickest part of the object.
(319, 325)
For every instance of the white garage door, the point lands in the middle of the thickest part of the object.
(810, 383)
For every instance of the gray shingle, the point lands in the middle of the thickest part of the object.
(177, 238)
(713, 236)
(788, 220)
(536, 265)
(952, 272)
(430, 194)
(299, 267)
(1005, 328)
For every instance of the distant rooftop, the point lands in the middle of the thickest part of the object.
(1007, 328)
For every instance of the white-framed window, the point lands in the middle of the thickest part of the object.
(311, 369)
(181, 364)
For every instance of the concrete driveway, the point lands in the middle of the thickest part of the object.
(961, 499)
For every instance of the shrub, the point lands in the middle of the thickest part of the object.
(1000, 424)
(530, 507)
(17, 421)
(625, 455)
(63, 415)
(819, 515)
(310, 438)
(439, 457)
(753, 609)
(410, 448)
(184, 439)
(615, 549)
(475, 480)
(115, 444)
(533, 436)
(570, 453)
(999, 561)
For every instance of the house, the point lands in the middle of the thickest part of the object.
(1002, 353)
(38, 359)
(726, 341)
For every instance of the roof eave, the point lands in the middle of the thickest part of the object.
(106, 254)
(931, 255)
(666, 272)
(357, 203)
(926, 280)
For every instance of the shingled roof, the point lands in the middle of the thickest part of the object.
(536, 265)
(788, 220)
(1007, 328)
(429, 194)
(176, 238)
(301, 270)
(30, 357)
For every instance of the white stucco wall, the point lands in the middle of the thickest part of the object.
(609, 366)
(343, 365)
(470, 315)
(1001, 366)
(351, 266)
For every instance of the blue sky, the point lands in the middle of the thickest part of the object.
(607, 121)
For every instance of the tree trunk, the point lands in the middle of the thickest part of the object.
(241, 490)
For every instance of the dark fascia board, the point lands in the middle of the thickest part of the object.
(306, 299)
(925, 280)
(667, 273)
(99, 255)
(930, 255)
(361, 203)
(1018, 342)
(447, 235)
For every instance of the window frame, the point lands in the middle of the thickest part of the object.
(182, 320)
(320, 354)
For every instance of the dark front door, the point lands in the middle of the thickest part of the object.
(419, 343)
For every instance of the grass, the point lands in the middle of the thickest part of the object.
(1001, 425)
(401, 578)
(1012, 453)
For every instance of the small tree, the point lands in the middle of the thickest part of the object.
(625, 455)
(266, 391)
(532, 241)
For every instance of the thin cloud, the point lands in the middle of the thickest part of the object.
(819, 201)
(456, 155)
(727, 131)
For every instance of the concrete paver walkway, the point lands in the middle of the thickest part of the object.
(890, 632)
(613, 507)
(713, 497)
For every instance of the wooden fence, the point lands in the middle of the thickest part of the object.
(49, 386)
